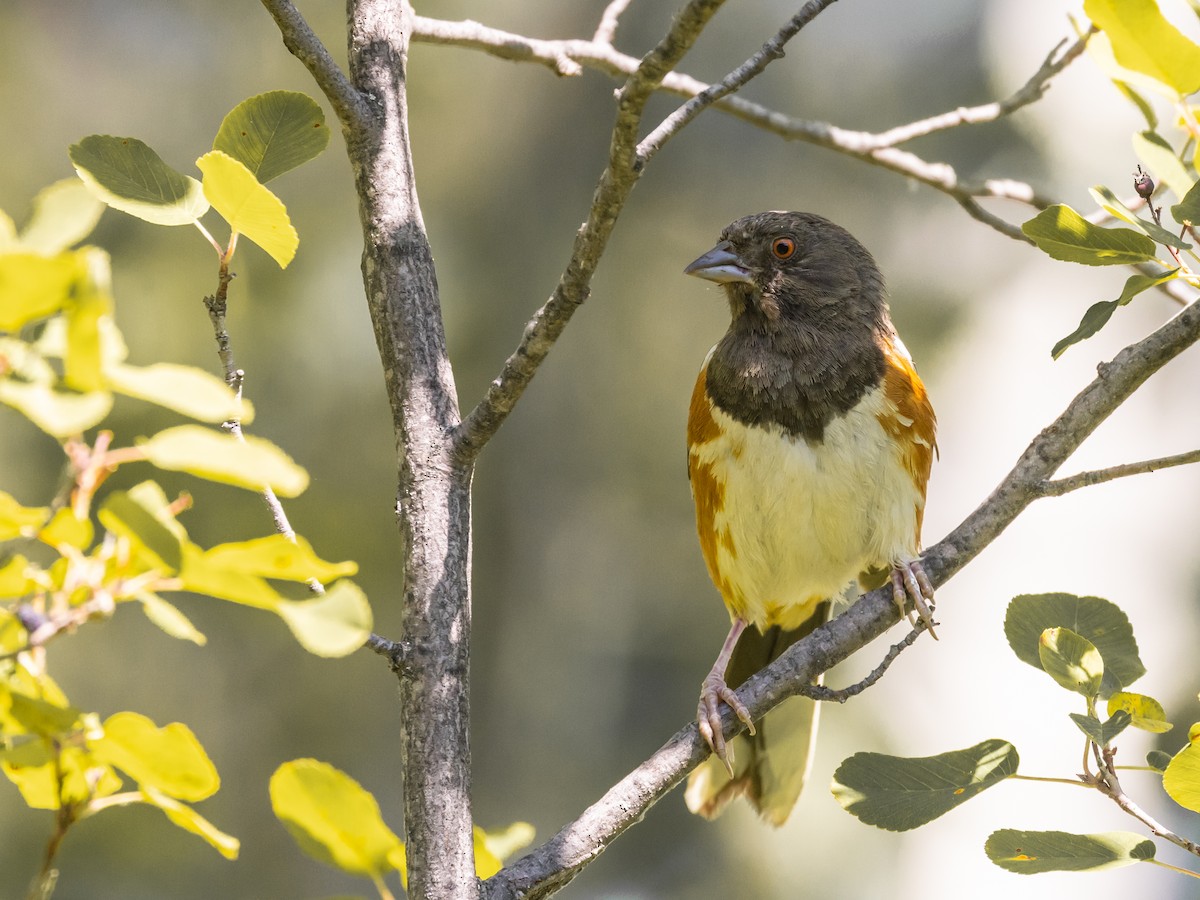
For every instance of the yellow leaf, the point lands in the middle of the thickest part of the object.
(275, 556)
(17, 520)
(170, 758)
(334, 624)
(251, 462)
(1146, 712)
(249, 207)
(190, 820)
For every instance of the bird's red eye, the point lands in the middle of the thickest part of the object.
(783, 247)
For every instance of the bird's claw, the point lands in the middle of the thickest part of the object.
(713, 691)
(909, 582)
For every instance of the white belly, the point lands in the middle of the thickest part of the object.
(798, 522)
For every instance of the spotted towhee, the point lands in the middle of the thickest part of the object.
(810, 440)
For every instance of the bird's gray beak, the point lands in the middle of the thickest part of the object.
(720, 264)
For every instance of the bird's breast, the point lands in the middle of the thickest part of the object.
(786, 522)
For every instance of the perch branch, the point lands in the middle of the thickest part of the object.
(562, 857)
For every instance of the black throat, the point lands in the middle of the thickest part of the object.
(799, 379)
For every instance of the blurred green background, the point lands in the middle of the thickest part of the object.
(594, 618)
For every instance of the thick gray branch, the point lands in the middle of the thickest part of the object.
(563, 856)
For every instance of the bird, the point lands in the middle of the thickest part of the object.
(810, 443)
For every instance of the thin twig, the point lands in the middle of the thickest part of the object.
(866, 146)
(613, 189)
(735, 80)
(1030, 92)
(1060, 486)
(841, 695)
(606, 31)
(1110, 785)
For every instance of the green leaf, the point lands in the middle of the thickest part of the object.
(157, 545)
(17, 520)
(1063, 234)
(169, 759)
(64, 213)
(15, 581)
(1144, 41)
(1160, 158)
(201, 576)
(1098, 314)
(41, 716)
(33, 287)
(1031, 852)
(1071, 660)
(185, 389)
(248, 207)
(335, 624)
(332, 818)
(273, 133)
(189, 820)
(1146, 713)
(90, 305)
(64, 529)
(1187, 210)
(1100, 49)
(249, 462)
(129, 176)
(1181, 780)
(275, 556)
(44, 781)
(1102, 734)
(900, 794)
(1158, 760)
(1098, 620)
(499, 845)
(58, 413)
(170, 619)
(1111, 203)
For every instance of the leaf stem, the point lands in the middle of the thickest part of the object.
(1074, 782)
(1181, 871)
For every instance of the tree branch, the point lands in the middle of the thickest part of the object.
(879, 149)
(735, 80)
(303, 44)
(558, 861)
(616, 182)
(1060, 486)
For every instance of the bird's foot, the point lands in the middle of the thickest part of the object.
(909, 582)
(713, 691)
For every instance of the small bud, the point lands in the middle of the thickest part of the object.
(1143, 184)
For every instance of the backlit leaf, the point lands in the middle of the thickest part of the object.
(1071, 660)
(275, 556)
(251, 462)
(899, 794)
(189, 820)
(1146, 712)
(58, 413)
(1100, 621)
(1111, 203)
(1161, 159)
(17, 520)
(170, 758)
(129, 176)
(1063, 234)
(274, 132)
(64, 213)
(333, 818)
(248, 207)
(1031, 852)
(1144, 41)
(34, 286)
(1181, 780)
(185, 389)
(170, 619)
(1098, 314)
(334, 624)
(154, 543)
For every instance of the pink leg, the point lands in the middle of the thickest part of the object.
(909, 581)
(713, 690)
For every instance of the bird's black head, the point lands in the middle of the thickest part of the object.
(780, 267)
